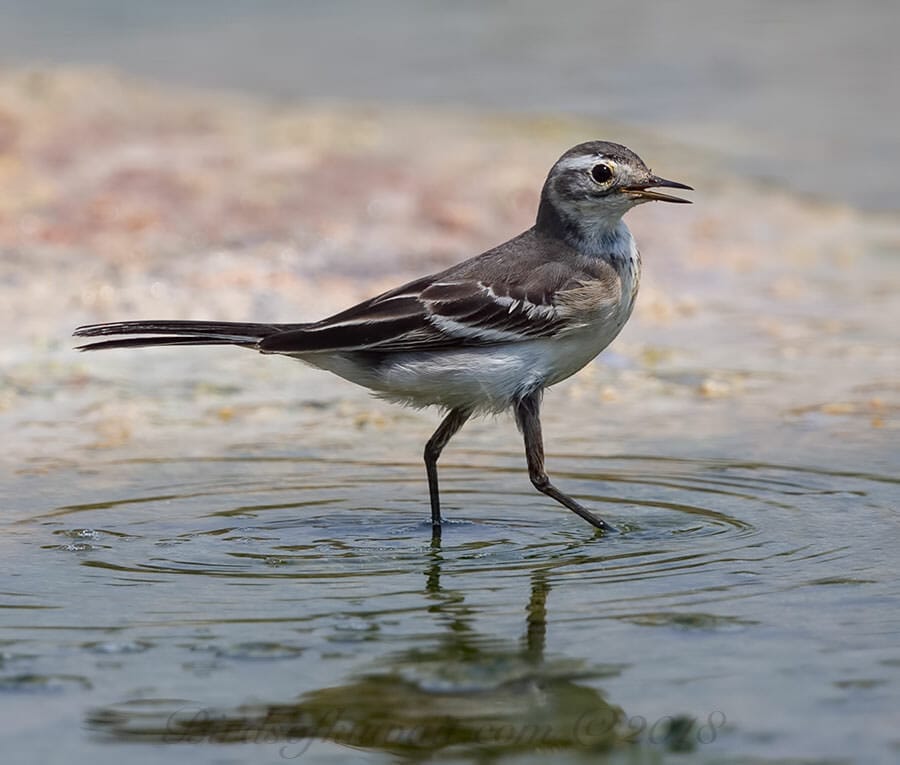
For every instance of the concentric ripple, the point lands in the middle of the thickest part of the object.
(259, 518)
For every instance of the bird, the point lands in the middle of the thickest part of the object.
(487, 335)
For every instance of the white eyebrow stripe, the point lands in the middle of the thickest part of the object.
(583, 162)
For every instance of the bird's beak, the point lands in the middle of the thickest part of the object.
(643, 190)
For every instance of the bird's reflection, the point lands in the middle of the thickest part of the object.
(465, 691)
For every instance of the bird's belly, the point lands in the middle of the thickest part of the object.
(576, 350)
(486, 379)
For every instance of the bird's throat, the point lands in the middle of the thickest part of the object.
(588, 232)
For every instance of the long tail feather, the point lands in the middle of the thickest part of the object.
(179, 333)
(224, 328)
(148, 342)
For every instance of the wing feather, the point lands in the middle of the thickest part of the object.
(460, 309)
(439, 315)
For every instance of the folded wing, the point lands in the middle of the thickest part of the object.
(429, 315)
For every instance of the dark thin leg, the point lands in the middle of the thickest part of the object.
(528, 418)
(446, 430)
(536, 622)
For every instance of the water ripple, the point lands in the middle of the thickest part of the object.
(312, 519)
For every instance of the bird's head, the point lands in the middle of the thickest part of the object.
(594, 184)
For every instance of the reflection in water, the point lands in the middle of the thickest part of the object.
(467, 690)
(228, 605)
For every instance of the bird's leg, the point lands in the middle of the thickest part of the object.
(454, 420)
(528, 418)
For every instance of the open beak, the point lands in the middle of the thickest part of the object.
(644, 190)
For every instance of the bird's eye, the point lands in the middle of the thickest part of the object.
(601, 173)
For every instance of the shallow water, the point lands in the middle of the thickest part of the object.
(234, 595)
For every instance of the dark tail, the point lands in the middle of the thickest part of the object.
(177, 333)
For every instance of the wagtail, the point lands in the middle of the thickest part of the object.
(483, 336)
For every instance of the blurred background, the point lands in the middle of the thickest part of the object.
(231, 553)
(799, 92)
